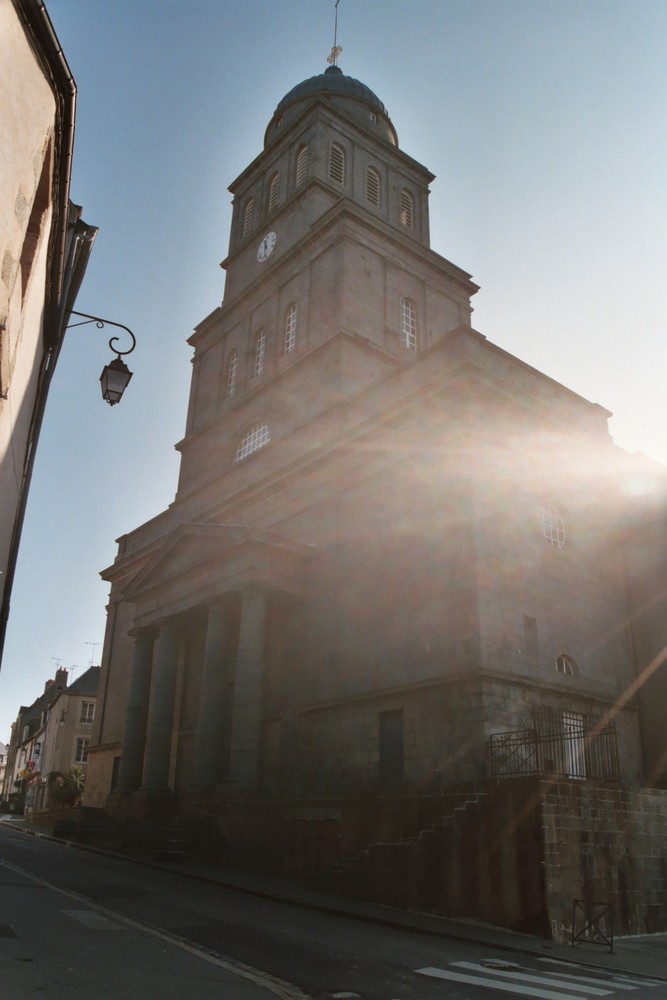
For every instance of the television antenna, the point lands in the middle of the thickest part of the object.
(92, 655)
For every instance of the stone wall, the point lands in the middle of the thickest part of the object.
(605, 845)
(516, 853)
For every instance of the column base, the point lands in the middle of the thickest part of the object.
(148, 803)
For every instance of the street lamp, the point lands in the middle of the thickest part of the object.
(116, 375)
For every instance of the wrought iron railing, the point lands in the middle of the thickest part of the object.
(564, 745)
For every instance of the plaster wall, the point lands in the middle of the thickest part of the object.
(27, 115)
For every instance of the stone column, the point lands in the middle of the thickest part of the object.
(161, 711)
(208, 743)
(247, 707)
(136, 713)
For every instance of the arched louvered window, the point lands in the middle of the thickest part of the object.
(566, 665)
(290, 329)
(337, 163)
(260, 353)
(252, 441)
(407, 209)
(373, 186)
(248, 216)
(232, 373)
(408, 324)
(301, 165)
(274, 188)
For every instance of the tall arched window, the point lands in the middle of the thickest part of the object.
(373, 186)
(301, 165)
(553, 525)
(260, 353)
(252, 441)
(407, 213)
(248, 216)
(408, 324)
(337, 163)
(232, 373)
(290, 329)
(274, 187)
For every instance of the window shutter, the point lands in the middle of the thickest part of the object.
(337, 164)
(273, 192)
(373, 187)
(301, 165)
(407, 209)
(248, 216)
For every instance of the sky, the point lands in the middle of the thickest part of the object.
(544, 123)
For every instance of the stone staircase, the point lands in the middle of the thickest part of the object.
(407, 872)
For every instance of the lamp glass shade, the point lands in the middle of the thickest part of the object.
(114, 380)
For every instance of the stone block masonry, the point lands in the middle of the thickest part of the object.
(605, 845)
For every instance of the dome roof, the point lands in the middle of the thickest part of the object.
(343, 91)
(333, 81)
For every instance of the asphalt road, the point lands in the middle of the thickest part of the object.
(84, 926)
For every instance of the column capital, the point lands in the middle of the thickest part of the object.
(215, 603)
(143, 633)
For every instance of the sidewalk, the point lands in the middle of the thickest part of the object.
(644, 955)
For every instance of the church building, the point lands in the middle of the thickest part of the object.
(384, 634)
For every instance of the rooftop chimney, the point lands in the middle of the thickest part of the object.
(61, 677)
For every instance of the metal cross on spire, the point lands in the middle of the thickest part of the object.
(336, 50)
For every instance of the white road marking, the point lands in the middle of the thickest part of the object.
(617, 978)
(92, 920)
(651, 983)
(619, 984)
(282, 989)
(500, 985)
(582, 984)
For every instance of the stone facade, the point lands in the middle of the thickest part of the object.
(393, 566)
(44, 248)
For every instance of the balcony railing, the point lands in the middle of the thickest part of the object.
(567, 746)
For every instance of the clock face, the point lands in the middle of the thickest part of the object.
(266, 246)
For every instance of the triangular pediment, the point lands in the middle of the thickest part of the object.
(198, 551)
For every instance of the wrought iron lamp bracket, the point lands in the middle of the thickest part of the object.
(100, 324)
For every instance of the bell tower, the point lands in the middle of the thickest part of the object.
(331, 284)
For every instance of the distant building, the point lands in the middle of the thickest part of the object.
(395, 572)
(44, 249)
(66, 738)
(3, 766)
(49, 738)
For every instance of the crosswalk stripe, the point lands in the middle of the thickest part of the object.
(622, 984)
(580, 986)
(498, 984)
(651, 983)
(618, 979)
